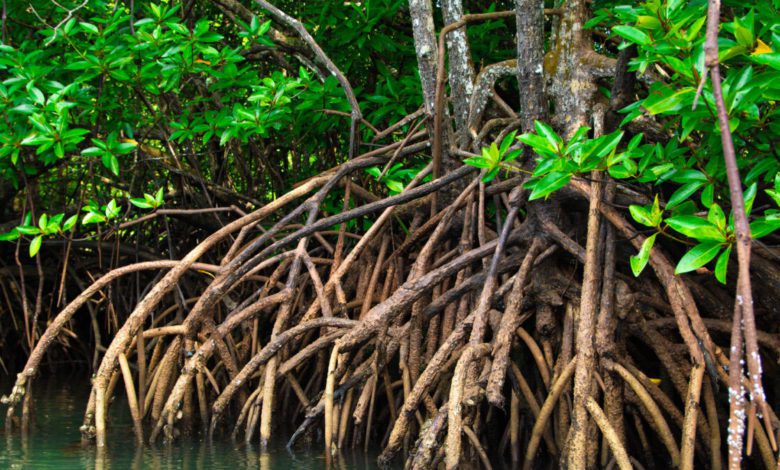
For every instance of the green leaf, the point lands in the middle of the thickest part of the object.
(111, 209)
(632, 34)
(158, 197)
(140, 203)
(609, 143)
(683, 193)
(490, 175)
(507, 142)
(721, 266)
(553, 181)
(576, 138)
(641, 215)
(656, 214)
(749, 196)
(93, 218)
(763, 227)
(696, 227)
(708, 195)
(548, 133)
(92, 152)
(35, 245)
(639, 261)
(10, 236)
(656, 104)
(716, 217)
(743, 34)
(688, 176)
(111, 162)
(396, 186)
(28, 230)
(491, 154)
(771, 59)
(124, 148)
(479, 162)
(697, 257)
(512, 155)
(70, 223)
(90, 28)
(539, 144)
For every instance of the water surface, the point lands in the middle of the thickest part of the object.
(55, 441)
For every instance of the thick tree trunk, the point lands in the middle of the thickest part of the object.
(530, 61)
(461, 72)
(424, 33)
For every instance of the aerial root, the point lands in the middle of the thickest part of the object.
(416, 339)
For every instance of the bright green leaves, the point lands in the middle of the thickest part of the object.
(632, 34)
(57, 225)
(558, 163)
(548, 184)
(11, 235)
(712, 235)
(70, 223)
(662, 99)
(696, 227)
(35, 245)
(495, 157)
(47, 226)
(697, 257)
(639, 261)
(553, 140)
(763, 227)
(269, 107)
(775, 192)
(649, 216)
(743, 29)
(108, 151)
(397, 176)
(96, 213)
(149, 201)
(721, 266)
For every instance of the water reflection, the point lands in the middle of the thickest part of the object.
(54, 441)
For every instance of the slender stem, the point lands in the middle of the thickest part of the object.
(744, 297)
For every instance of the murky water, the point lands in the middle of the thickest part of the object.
(54, 441)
